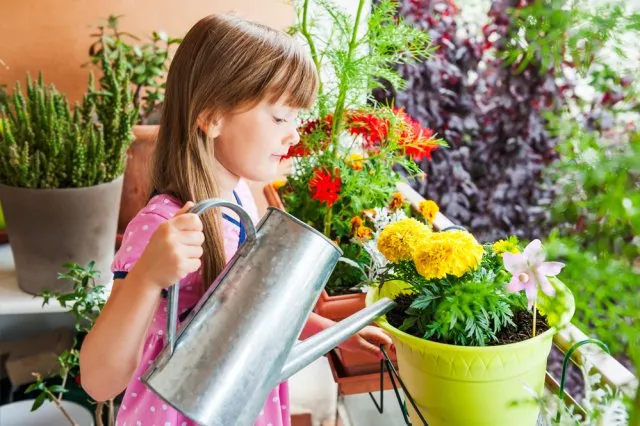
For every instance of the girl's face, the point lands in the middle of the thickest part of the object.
(251, 144)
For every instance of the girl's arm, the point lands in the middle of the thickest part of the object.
(112, 350)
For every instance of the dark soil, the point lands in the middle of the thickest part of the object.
(510, 334)
(339, 291)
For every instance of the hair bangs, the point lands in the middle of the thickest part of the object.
(296, 81)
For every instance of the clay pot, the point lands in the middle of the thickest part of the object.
(137, 175)
(50, 227)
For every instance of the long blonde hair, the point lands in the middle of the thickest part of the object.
(223, 64)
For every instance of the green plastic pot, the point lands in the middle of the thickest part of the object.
(475, 386)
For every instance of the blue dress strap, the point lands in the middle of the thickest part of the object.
(243, 234)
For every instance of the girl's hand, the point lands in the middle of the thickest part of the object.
(368, 340)
(174, 250)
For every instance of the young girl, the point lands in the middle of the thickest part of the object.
(233, 92)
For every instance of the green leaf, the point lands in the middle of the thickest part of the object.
(34, 386)
(38, 401)
(57, 389)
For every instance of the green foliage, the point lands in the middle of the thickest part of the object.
(44, 144)
(598, 215)
(356, 53)
(85, 302)
(553, 32)
(147, 62)
(467, 311)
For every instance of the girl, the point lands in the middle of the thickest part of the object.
(233, 92)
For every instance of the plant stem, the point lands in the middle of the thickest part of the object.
(337, 116)
(111, 413)
(327, 222)
(535, 312)
(635, 412)
(99, 409)
(63, 410)
(64, 381)
(314, 54)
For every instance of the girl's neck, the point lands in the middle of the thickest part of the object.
(227, 181)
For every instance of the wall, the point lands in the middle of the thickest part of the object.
(54, 36)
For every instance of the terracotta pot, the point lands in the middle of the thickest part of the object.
(51, 227)
(137, 179)
(357, 363)
(339, 307)
(332, 307)
(349, 384)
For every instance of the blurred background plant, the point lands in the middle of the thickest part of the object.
(148, 63)
(538, 100)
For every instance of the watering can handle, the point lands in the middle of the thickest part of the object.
(174, 290)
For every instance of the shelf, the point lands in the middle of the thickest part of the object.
(14, 301)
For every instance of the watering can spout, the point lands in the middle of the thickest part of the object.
(307, 351)
(239, 342)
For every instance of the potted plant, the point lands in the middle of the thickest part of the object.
(473, 325)
(85, 302)
(148, 63)
(61, 174)
(349, 144)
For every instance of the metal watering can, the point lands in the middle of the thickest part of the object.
(239, 342)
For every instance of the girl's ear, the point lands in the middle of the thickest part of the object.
(209, 125)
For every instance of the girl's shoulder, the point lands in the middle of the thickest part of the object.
(138, 232)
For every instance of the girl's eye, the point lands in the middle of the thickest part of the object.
(279, 120)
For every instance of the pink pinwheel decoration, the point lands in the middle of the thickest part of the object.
(530, 271)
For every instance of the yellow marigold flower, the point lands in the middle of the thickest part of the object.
(428, 210)
(448, 253)
(397, 240)
(277, 184)
(355, 161)
(504, 246)
(364, 232)
(396, 201)
(432, 257)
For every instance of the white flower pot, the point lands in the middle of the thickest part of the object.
(20, 414)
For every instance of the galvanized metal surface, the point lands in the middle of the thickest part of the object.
(232, 350)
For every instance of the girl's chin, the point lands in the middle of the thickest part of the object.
(263, 174)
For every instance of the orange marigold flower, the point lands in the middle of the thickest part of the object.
(325, 187)
(396, 201)
(356, 222)
(364, 232)
(355, 161)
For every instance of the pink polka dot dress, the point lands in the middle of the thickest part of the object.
(140, 406)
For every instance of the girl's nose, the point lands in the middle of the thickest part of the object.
(292, 138)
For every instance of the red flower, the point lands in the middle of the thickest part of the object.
(415, 140)
(311, 127)
(325, 188)
(373, 129)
